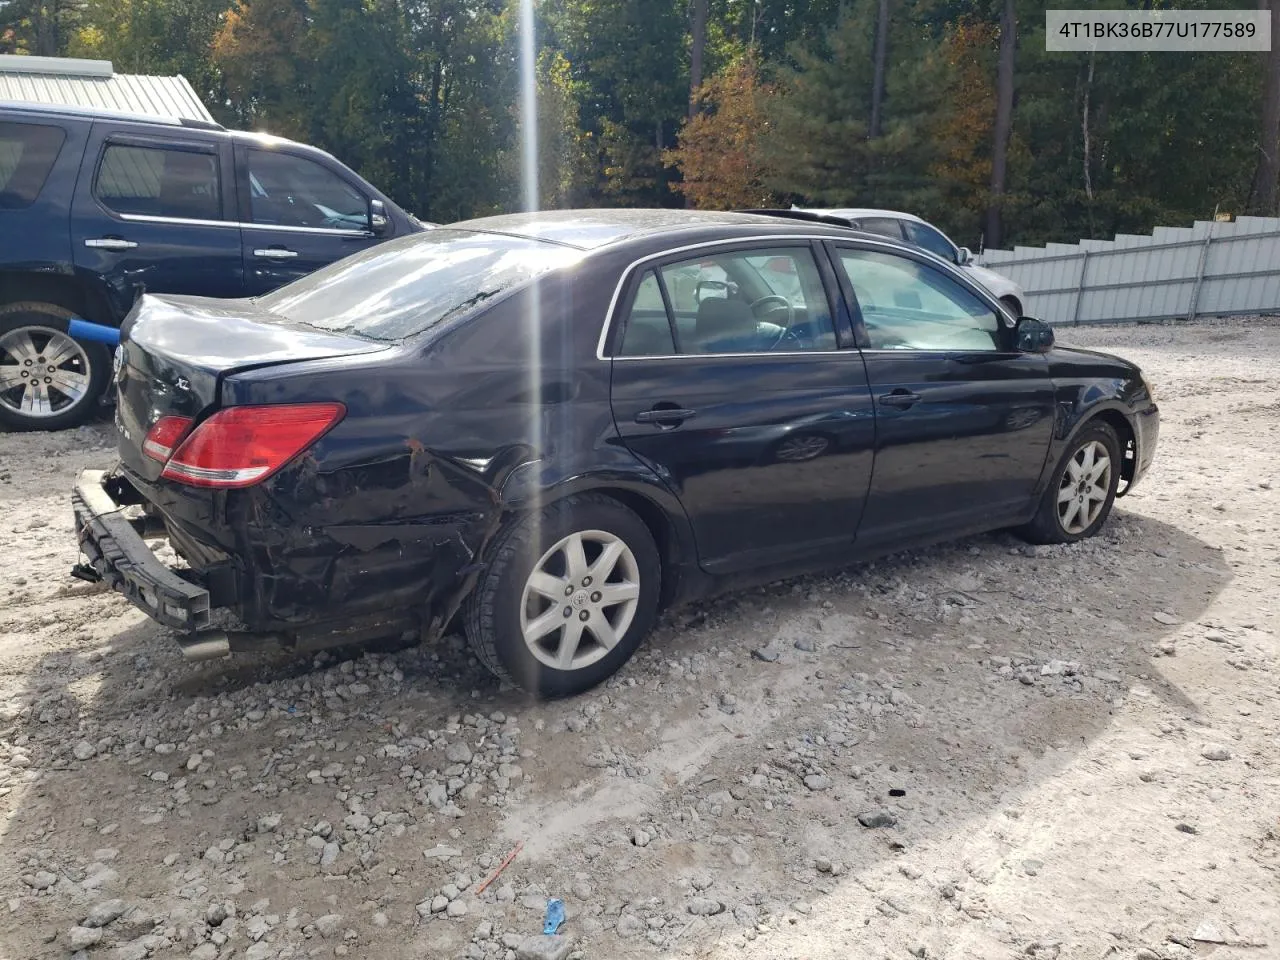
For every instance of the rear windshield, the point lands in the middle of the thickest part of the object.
(405, 286)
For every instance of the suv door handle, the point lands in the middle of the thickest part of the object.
(110, 243)
(671, 416)
(275, 253)
(899, 398)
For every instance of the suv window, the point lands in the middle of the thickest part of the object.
(745, 301)
(159, 182)
(884, 226)
(291, 191)
(923, 235)
(27, 154)
(907, 305)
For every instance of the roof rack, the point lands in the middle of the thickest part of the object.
(801, 215)
(56, 66)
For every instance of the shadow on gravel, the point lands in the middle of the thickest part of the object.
(129, 757)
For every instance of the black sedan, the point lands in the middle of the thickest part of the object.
(546, 428)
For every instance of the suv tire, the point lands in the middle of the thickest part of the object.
(29, 329)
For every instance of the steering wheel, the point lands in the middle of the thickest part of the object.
(791, 315)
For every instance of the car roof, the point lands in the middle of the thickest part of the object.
(592, 229)
(32, 109)
(854, 213)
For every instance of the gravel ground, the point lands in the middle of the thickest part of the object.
(981, 751)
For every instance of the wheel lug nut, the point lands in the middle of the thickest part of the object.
(595, 597)
(568, 612)
(584, 616)
(26, 363)
(568, 590)
(586, 581)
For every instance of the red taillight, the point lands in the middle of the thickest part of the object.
(241, 446)
(164, 437)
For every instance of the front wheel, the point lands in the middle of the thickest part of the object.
(570, 594)
(1080, 496)
(48, 380)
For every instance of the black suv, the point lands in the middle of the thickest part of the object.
(96, 207)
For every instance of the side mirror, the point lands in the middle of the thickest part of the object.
(964, 256)
(378, 222)
(1033, 336)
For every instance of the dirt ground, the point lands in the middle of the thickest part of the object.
(981, 750)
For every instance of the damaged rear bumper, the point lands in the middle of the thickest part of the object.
(118, 555)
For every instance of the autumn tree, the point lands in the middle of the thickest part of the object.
(719, 156)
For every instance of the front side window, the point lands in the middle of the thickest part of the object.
(405, 286)
(907, 305)
(290, 191)
(748, 301)
(159, 182)
(923, 235)
(27, 154)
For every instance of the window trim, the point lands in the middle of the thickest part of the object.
(655, 261)
(57, 154)
(209, 148)
(244, 197)
(930, 261)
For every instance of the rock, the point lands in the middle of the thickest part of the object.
(1031, 867)
(1168, 619)
(441, 852)
(506, 893)
(629, 925)
(704, 907)
(640, 838)
(1208, 932)
(439, 903)
(739, 857)
(270, 823)
(456, 908)
(582, 890)
(104, 913)
(817, 782)
(1186, 828)
(82, 938)
(767, 654)
(546, 946)
(330, 853)
(216, 914)
(424, 909)
(918, 950)
(822, 865)
(83, 750)
(260, 951)
(806, 645)
(42, 880)
(877, 818)
(330, 925)
(457, 753)
(1214, 752)
(206, 951)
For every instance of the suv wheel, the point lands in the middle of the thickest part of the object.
(571, 592)
(48, 380)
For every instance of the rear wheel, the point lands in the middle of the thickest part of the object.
(1080, 496)
(571, 593)
(48, 380)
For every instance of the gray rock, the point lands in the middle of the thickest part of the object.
(424, 909)
(457, 908)
(806, 645)
(544, 946)
(83, 750)
(506, 893)
(216, 914)
(1208, 932)
(582, 890)
(330, 853)
(739, 857)
(458, 753)
(1214, 752)
(1031, 867)
(82, 938)
(206, 951)
(877, 818)
(43, 880)
(640, 838)
(767, 654)
(704, 907)
(269, 823)
(629, 925)
(441, 852)
(823, 865)
(330, 925)
(260, 951)
(817, 782)
(104, 913)
(439, 904)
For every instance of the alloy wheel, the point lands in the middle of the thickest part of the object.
(43, 372)
(580, 599)
(1086, 482)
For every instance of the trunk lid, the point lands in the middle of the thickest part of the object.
(174, 352)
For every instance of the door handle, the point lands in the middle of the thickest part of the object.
(275, 253)
(110, 243)
(899, 398)
(666, 416)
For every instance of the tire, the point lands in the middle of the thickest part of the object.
(1054, 525)
(1012, 305)
(31, 326)
(506, 602)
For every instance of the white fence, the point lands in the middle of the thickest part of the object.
(1177, 273)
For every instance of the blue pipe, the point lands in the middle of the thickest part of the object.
(84, 330)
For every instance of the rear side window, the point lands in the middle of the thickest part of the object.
(290, 191)
(925, 236)
(157, 182)
(27, 154)
(405, 286)
(884, 226)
